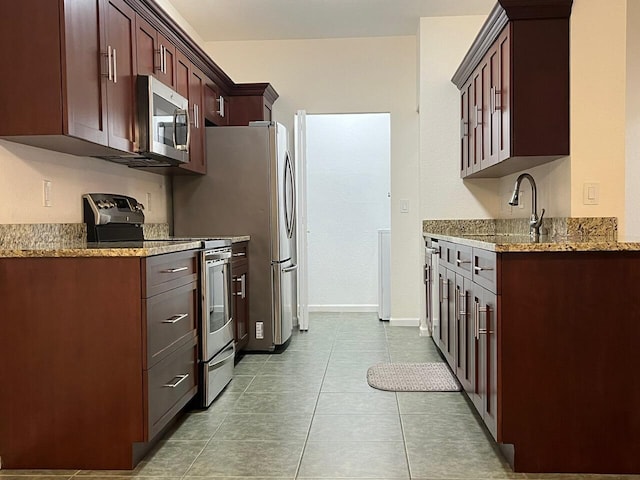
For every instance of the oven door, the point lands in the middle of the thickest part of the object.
(217, 322)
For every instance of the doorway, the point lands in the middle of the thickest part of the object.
(348, 185)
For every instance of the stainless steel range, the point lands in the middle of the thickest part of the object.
(119, 218)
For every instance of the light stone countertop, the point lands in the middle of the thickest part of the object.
(83, 249)
(524, 243)
(564, 234)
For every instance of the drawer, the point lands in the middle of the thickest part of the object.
(484, 269)
(447, 254)
(165, 272)
(170, 385)
(239, 251)
(463, 260)
(171, 316)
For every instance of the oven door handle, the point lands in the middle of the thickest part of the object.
(231, 348)
(217, 256)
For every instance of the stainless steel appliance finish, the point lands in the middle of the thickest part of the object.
(216, 374)
(112, 217)
(249, 189)
(163, 129)
(217, 350)
(217, 320)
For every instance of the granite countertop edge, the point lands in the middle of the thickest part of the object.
(520, 243)
(95, 250)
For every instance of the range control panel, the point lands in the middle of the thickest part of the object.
(106, 208)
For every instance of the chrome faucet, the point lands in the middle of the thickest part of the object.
(534, 221)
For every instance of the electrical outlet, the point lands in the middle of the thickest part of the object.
(259, 330)
(46, 193)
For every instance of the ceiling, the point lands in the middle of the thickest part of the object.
(219, 20)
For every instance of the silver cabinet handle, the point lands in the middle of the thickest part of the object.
(478, 311)
(182, 378)
(109, 73)
(115, 66)
(243, 282)
(176, 318)
(460, 262)
(159, 52)
(239, 254)
(163, 59)
(480, 269)
(478, 116)
(220, 101)
(445, 289)
(427, 274)
(433, 251)
(463, 309)
(175, 270)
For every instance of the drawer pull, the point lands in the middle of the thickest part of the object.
(174, 385)
(176, 318)
(175, 270)
(460, 262)
(239, 254)
(480, 269)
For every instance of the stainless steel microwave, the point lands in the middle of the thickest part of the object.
(163, 127)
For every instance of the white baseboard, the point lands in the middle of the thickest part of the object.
(404, 322)
(343, 308)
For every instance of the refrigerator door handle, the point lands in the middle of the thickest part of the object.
(292, 268)
(290, 216)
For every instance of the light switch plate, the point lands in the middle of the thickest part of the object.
(591, 193)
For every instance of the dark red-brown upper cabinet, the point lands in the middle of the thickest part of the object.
(518, 67)
(156, 54)
(72, 83)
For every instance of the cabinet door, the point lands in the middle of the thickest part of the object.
(464, 130)
(476, 149)
(491, 118)
(503, 106)
(216, 106)
(183, 70)
(443, 301)
(485, 394)
(86, 65)
(452, 333)
(240, 303)
(120, 36)
(147, 52)
(197, 161)
(167, 55)
(465, 359)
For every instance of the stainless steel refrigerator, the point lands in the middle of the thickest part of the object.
(249, 189)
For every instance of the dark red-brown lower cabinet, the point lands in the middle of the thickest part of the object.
(465, 356)
(443, 301)
(485, 394)
(240, 289)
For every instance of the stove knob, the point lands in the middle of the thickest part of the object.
(111, 204)
(100, 204)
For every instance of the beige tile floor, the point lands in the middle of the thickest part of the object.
(308, 413)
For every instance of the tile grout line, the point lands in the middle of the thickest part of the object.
(315, 407)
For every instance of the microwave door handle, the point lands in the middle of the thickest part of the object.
(177, 112)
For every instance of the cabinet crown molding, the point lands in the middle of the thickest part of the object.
(503, 12)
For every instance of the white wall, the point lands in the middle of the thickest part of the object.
(443, 195)
(598, 82)
(354, 75)
(348, 160)
(23, 168)
(632, 191)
